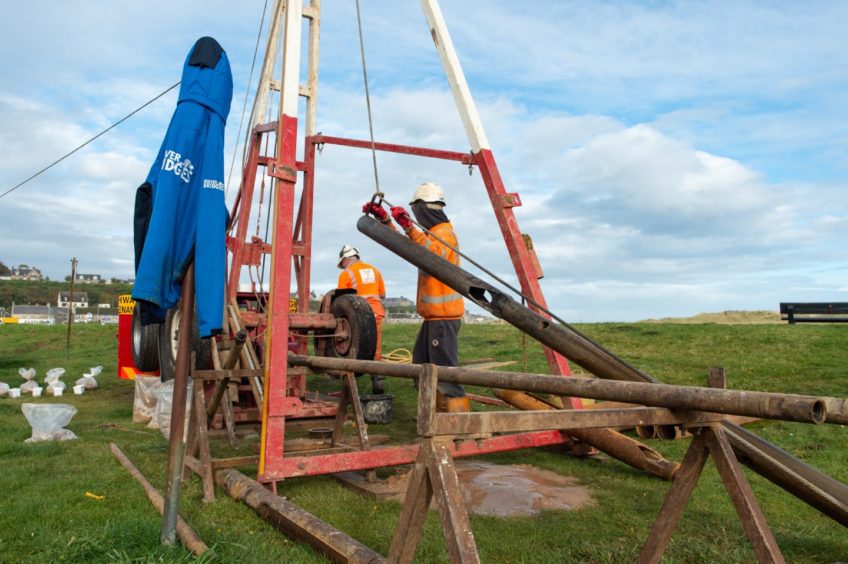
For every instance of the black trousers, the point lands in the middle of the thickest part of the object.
(437, 343)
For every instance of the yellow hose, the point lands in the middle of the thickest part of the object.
(399, 356)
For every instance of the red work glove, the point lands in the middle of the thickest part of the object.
(402, 217)
(376, 210)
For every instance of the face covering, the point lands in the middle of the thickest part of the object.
(428, 217)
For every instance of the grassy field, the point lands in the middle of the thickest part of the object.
(46, 516)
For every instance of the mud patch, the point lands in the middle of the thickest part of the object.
(518, 490)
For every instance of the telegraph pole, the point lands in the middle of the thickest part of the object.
(71, 306)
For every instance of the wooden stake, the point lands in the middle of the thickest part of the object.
(71, 307)
(188, 537)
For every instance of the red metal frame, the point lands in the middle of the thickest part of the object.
(285, 394)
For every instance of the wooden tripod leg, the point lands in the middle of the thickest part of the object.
(413, 513)
(341, 412)
(221, 398)
(358, 417)
(229, 419)
(203, 443)
(753, 520)
(675, 501)
(191, 437)
(452, 512)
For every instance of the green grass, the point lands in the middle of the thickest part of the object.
(46, 516)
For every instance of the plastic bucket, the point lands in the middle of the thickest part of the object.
(377, 408)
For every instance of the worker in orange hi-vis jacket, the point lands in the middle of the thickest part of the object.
(368, 283)
(441, 307)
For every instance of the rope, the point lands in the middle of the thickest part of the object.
(399, 356)
(367, 96)
(379, 198)
(120, 121)
(472, 261)
(244, 106)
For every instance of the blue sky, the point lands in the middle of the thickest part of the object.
(672, 157)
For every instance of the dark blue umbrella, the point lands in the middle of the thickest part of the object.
(180, 210)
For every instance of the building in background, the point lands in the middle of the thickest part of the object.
(80, 299)
(39, 314)
(89, 278)
(26, 272)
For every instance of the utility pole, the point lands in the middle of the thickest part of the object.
(71, 306)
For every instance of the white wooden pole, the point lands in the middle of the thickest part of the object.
(459, 87)
(291, 58)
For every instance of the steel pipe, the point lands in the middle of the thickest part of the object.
(558, 337)
(765, 405)
(176, 442)
(294, 521)
(774, 466)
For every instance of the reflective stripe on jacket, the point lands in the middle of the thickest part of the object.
(435, 300)
(368, 283)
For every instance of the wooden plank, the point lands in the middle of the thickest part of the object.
(203, 444)
(675, 501)
(218, 463)
(413, 513)
(753, 520)
(445, 484)
(515, 421)
(358, 417)
(235, 373)
(427, 387)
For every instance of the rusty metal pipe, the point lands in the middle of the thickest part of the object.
(619, 446)
(294, 521)
(176, 444)
(766, 405)
(581, 349)
(235, 352)
(593, 357)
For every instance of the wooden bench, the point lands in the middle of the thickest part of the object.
(814, 312)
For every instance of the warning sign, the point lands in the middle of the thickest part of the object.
(125, 304)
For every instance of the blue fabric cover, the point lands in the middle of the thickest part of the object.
(188, 216)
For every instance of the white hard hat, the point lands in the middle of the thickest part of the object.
(429, 192)
(347, 252)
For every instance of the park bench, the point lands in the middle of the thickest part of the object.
(818, 312)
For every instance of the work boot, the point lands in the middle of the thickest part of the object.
(377, 385)
(444, 404)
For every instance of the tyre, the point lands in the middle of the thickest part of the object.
(145, 343)
(356, 318)
(168, 339)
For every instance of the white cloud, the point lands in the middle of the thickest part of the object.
(671, 158)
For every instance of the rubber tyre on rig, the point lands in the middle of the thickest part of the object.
(145, 343)
(355, 312)
(168, 336)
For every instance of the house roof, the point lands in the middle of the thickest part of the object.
(78, 296)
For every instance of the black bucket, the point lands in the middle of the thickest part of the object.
(377, 408)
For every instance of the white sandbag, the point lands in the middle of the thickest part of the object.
(164, 403)
(53, 375)
(87, 381)
(144, 401)
(95, 370)
(56, 388)
(4, 389)
(27, 374)
(47, 421)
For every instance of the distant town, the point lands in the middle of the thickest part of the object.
(50, 309)
(26, 272)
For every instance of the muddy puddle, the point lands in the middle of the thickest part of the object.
(513, 490)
